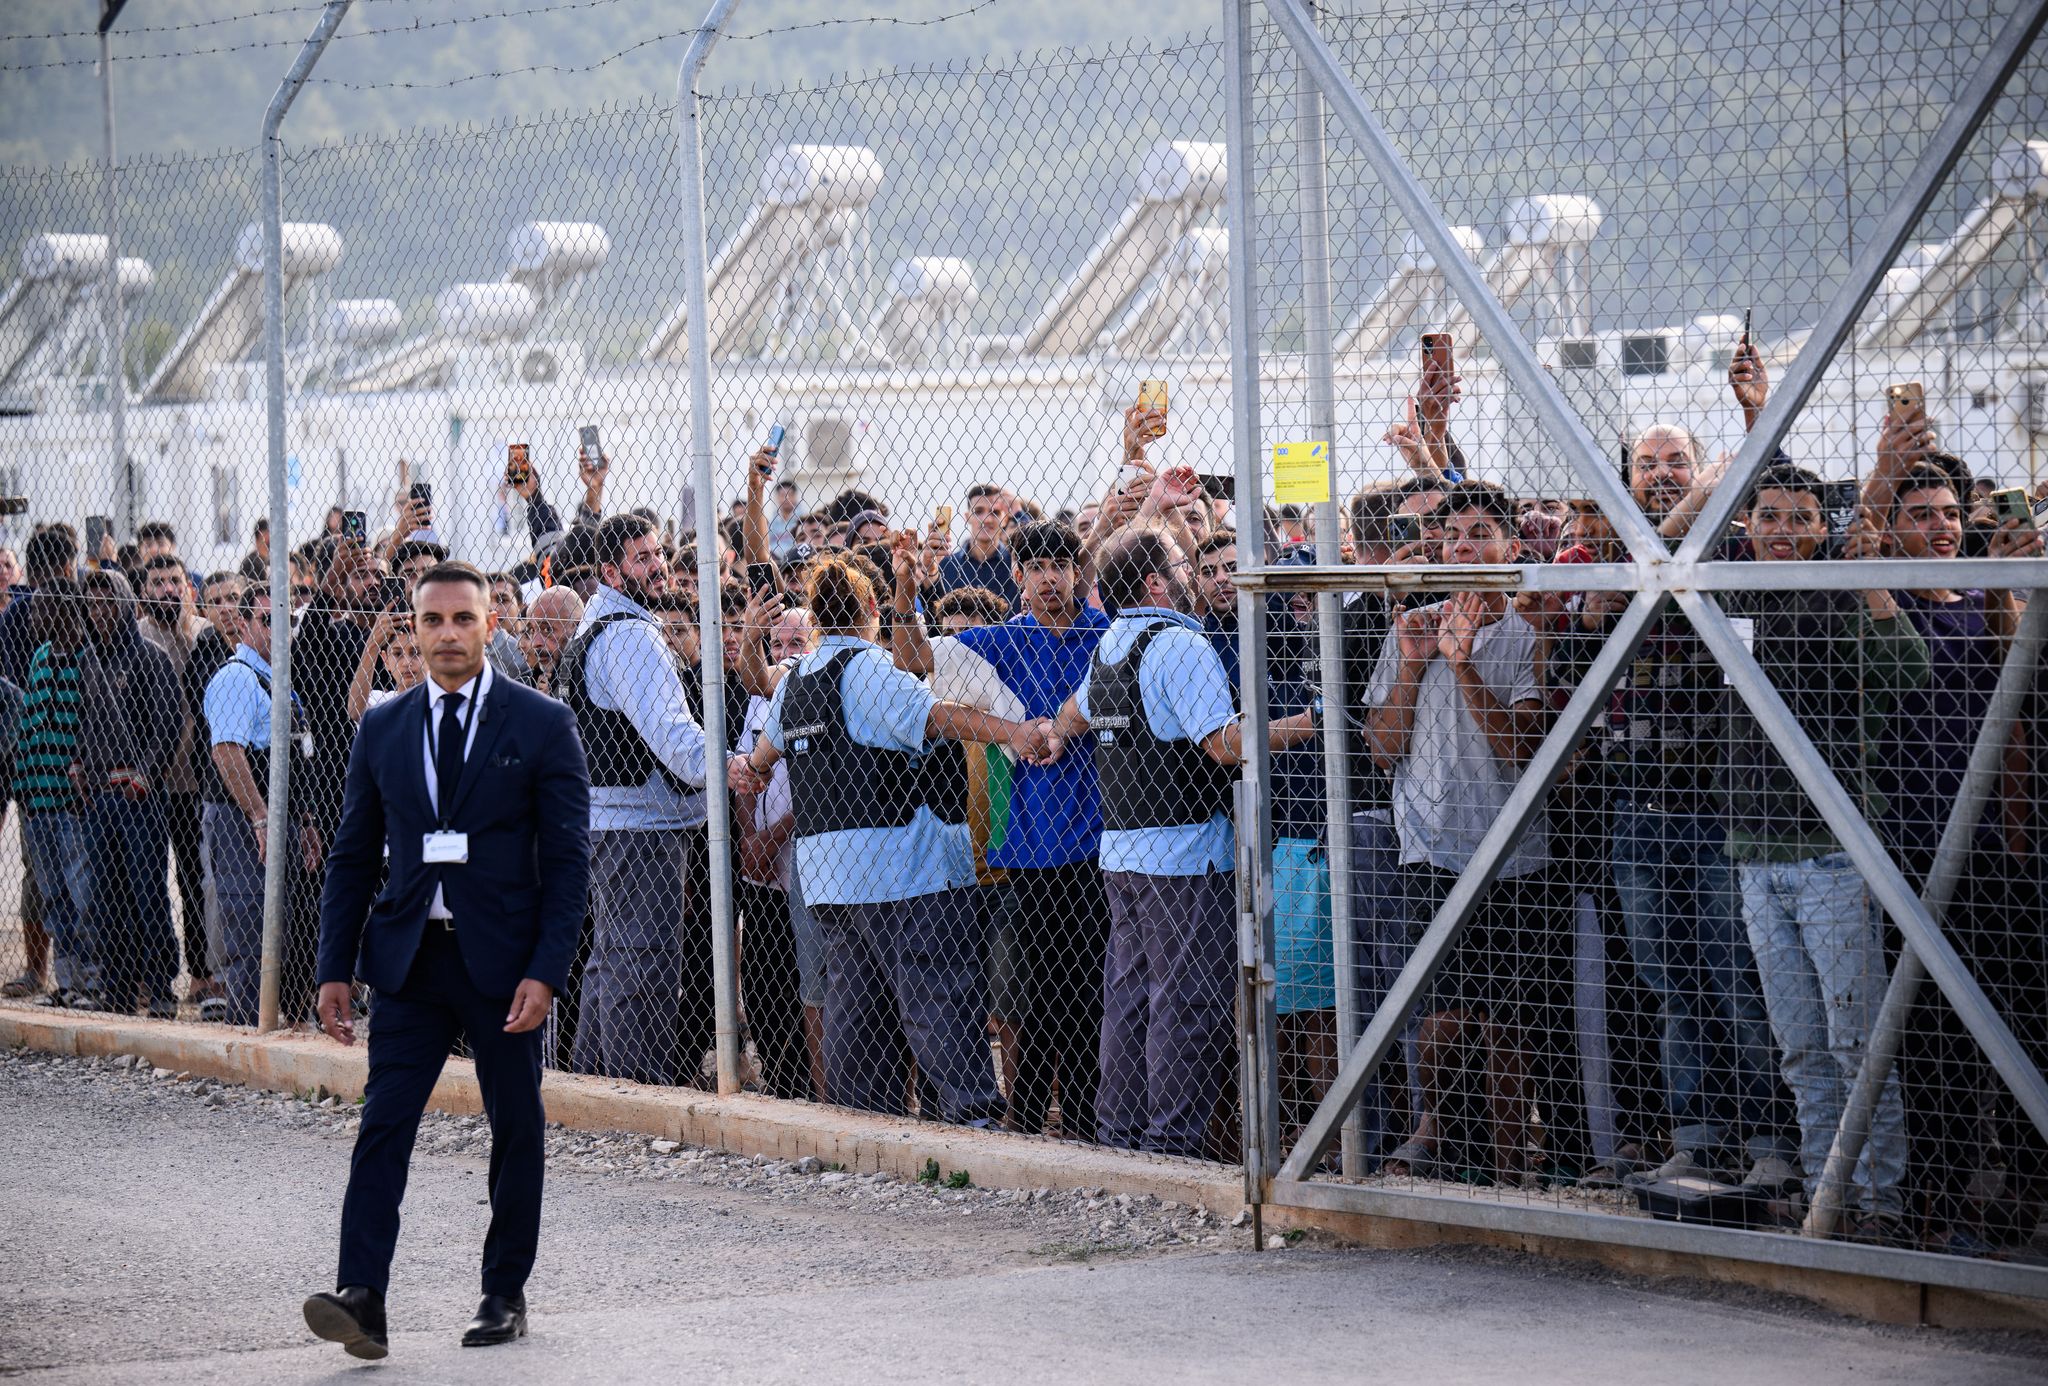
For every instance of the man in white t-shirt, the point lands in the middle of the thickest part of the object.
(1456, 710)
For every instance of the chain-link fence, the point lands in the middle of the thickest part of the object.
(1628, 870)
(1590, 865)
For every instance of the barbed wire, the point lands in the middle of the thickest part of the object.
(575, 70)
(418, 26)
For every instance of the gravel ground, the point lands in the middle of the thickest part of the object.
(164, 1228)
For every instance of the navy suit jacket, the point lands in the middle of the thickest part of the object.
(524, 800)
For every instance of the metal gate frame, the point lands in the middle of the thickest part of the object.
(1658, 577)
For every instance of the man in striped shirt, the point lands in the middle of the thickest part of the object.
(46, 786)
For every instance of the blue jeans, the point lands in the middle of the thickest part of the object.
(129, 896)
(1820, 952)
(1679, 908)
(56, 854)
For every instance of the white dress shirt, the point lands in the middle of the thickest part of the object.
(470, 713)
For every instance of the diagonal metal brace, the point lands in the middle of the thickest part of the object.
(1427, 220)
(1950, 857)
(1831, 333)
(1880, 872)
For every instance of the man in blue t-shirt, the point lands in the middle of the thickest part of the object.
(1050, 909)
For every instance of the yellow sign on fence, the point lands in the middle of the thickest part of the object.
(1301, 473)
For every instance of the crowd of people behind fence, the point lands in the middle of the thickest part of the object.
(983, 834)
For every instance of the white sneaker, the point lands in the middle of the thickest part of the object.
(1686, 1164)
(1773, 1172)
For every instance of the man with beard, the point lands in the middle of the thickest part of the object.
(168, 622)
(1661, 747)
(1167, 744)
(128, 737)
(649, 859)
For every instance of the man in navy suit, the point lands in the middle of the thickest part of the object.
(475, 787)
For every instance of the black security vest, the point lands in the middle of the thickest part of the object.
(942, 775)
(618, 757)
(1146, 782)
(835, 783)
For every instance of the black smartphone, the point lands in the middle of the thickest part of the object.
(396, 598)
(355, 524)
(1745, 326)
(761, 577)
(97, 528)
(587, 443)
(1403, 529)
(421, 491)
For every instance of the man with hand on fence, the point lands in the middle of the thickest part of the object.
(1167, 744)
(1456, 711)
(1840, 661)
(476, 789)
(650, 860)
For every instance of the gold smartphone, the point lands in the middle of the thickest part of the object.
(942, 518)
(1152, 396)
(1907, 399)
(1436, 351)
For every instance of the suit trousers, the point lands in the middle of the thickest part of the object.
(412, 1031)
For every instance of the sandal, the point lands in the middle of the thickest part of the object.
(1416, 1161)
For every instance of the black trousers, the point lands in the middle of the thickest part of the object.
(1059, 919)
(412, 1031)
(769, 990)
(181, 812)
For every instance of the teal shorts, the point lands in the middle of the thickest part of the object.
(1304, 965)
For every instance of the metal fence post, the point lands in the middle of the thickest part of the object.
(725, 978)
(1314, 197)
(278, 836)
(1518, 362)
(113, 309)
(1950, 857)
(1263, 1114)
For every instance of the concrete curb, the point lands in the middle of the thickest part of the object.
(865, 1143)
(859, 1141)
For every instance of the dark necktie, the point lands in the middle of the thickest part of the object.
(448, 754)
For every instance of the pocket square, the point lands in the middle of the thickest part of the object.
(506, 762)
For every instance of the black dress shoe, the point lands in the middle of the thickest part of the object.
(352, 1316)
(499, 1319)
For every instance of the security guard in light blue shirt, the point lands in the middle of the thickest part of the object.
(1167, 745)
(882, 875)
